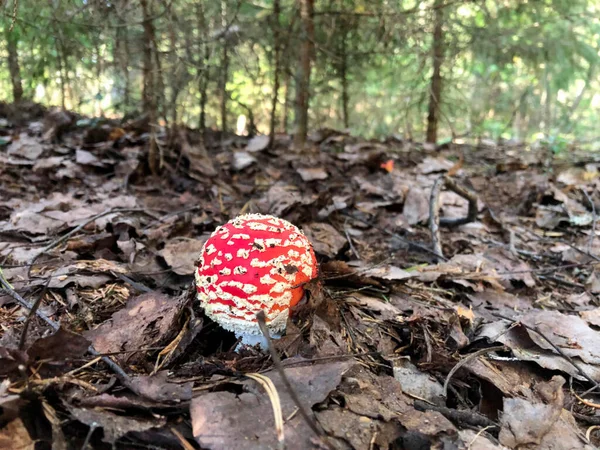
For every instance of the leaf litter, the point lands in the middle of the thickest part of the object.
(491, 344)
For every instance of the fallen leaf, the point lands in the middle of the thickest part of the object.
(242, 160)
(250, 416)
(433, 165)
(159, 389)
(181, 254)
(312, 173)
(257, 144)
(417, 383)
(147, 321)
(15, 436)
(114, 426)
(325, 239)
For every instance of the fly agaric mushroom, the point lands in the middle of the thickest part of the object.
(254, 263)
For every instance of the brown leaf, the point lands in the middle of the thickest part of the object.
(312, 173)
(15, 436)
(158, 388)
(146, 321)
(527, 421)
(59, 346)
(416, 206)
(114, 426)
(224, 420)
(325, 239)
(181, 254)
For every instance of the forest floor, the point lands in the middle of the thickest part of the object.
(494, 344)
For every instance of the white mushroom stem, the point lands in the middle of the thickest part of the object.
(253, 339)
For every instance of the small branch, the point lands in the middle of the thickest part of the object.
(468, 358)
(457, 416)
(594, 218)
(434, 217)
(31, 314)
(278, 366)
(434, 210)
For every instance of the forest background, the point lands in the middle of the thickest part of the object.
(434, 70)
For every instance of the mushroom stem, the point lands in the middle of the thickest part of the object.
(253, 339)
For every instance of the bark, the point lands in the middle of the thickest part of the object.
(304, 69)
(286, 101)
(149, 90)
(202, 63)
(61, 71)
(344, 77)
(435, 88)
(13, 65)
(121, 57)
(223, 85)
(276, 69)
(224, 70)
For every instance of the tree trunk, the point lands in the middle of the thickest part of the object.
(344, 77)
(13, 65)
(286, 100)
(121, 57)
(435, 88)
(304, 68)
(276, 69)
(224, 69)
(61, 71)
(202, 63)
(149, 91)
(223, 85)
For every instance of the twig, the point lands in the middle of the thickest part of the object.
(350, 243)
(277, 364)
(594, 217)
(394, 235)
(434, 209)
(434, 216)
(31, 314)
(455, 415)
(468, 358)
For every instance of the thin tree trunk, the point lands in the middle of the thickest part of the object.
(223, 85)
(224, 69)
(276, 69)
(149, 91)
(286, 101)
(14, 69)
(202, 63)
(344, 77)
(435, 88)
(121, 57)
(304, 68)
(61, 71)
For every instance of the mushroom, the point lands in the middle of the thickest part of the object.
(254, 263)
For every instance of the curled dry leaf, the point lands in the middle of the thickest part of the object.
(147, 321)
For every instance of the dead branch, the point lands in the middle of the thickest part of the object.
(434, 210)
(278, 366)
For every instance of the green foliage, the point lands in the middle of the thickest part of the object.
(511, 69)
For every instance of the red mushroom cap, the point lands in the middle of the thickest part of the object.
(254, 263)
